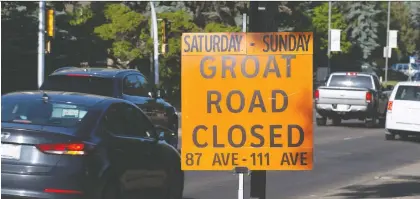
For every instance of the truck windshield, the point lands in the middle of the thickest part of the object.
(351, 81)
(80, 84)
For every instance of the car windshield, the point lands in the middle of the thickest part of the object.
(42, 113)
(81, 84)
(353, 81)
(408, 93)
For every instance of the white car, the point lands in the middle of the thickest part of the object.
(403, 112)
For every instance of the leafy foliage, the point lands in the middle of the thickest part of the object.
(119, 32)
(320, 24)
(400, 13)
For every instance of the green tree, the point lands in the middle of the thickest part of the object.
(320, 24)
(124, 29)
(362, 19)
(408, 35)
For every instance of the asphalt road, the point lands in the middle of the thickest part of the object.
(342, 154)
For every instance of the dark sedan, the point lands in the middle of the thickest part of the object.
(74, 145)
(125, 84)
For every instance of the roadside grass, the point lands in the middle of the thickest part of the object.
(390, 83)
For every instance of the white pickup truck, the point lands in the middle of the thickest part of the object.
(351, 95)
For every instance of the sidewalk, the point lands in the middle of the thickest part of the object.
(401, 183)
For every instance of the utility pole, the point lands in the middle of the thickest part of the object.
(387, 42)
(329, 37)
(41, 43)
(155, 44)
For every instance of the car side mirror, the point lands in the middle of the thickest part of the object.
(161, 93)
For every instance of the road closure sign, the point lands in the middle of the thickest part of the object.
(247, 101)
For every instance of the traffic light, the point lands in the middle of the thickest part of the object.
(50, 24)
(166, 27)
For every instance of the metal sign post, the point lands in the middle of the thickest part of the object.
(41, 44)
(257, 178)
(241, 186)
(241, 171)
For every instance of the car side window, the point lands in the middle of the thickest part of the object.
(137, 124)
(144, 86)
(132, 85)
(113, 121)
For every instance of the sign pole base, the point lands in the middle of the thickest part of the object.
(241, 186)
(241, 171)
(258, 184)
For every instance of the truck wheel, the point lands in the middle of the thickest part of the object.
(370, 123)
(389, 137)
(336, 121)
(321, 121)
(382, 122)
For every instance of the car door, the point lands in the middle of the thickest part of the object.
(143, 134)
(382, 97)
(134, 92)
(130, 154)
(159, 115)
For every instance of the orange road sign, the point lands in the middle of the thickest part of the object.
(247, 101)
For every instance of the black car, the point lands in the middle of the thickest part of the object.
(76, 145)
(125, 84)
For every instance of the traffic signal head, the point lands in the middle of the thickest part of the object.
(166, 27)
(50, 24)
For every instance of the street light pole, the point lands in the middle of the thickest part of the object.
(41, 43)
(329, 36)
(387, 42)
(154, 30)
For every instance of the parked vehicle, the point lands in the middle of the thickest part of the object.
(416, 77)
(351, 95)
(125, 84)
(76, 145)
(403, 114)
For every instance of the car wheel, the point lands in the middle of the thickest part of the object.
(108, 188)
(321, 121)
(403, 137)
(336, 121)
(389, 137)
(111, 190)
(174, 187)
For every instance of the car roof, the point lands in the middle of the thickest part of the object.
(358, 73)
(97, 72)
(406, 83)
(60, 96)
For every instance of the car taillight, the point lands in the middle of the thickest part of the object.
(63, 148)
(62, 191)
(316, 94)
(390, 106)
(368, 97)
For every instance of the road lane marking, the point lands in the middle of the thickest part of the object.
(352, 138)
